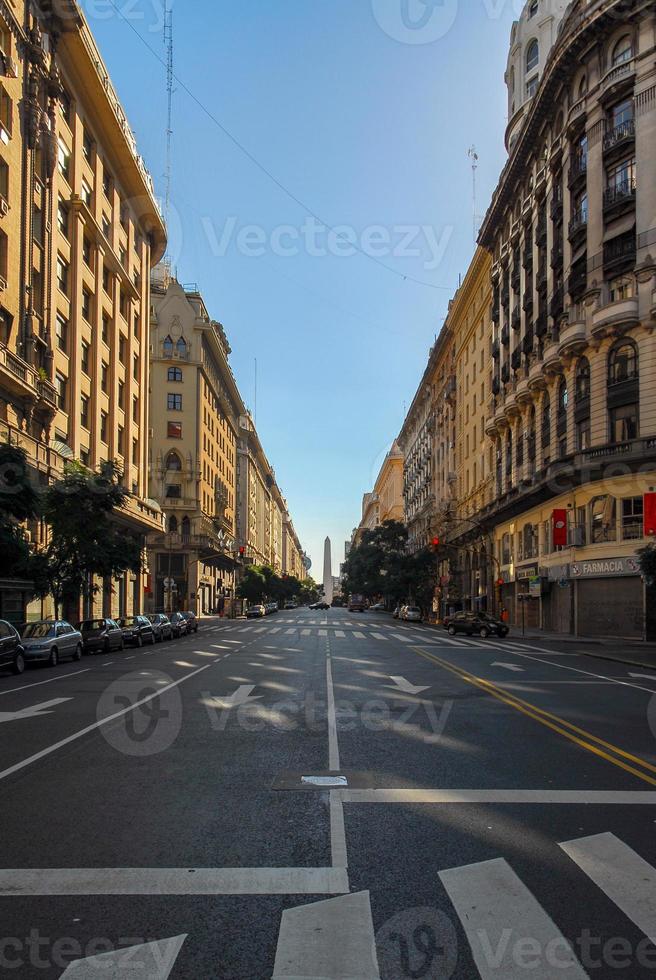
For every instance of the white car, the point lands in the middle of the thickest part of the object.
(411, 614)
(256, 612)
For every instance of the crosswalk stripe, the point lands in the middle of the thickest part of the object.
(260, 629)
(323, 632)
(379, 636)
(497, 911)
(276, 629)
(306, 632)
(340, 633)
(626, 878)
(404, 639)
(289, 632)
(360, 636)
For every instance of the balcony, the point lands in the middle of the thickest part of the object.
(541, 276)
(557, 254)
(516, 359)
(510, 406)
(620, 136)
(40, 455)
(619, 197)
(573, 336)
(515, 278)
(615, 317)
(536, 380)
(516, 319)
(551, 363)
(505, 335)
(578, 225)
(143, 515)
(451, 389)
(577, 109)
(505, 373)
(23, 380)
(541, 231)
(527, 301)
(496, 350)
(556, 210)
(527, 343)
(620, 253)
(619, 73)
(523, 392)
(577, 172)
(527, 258)
(541, 324)
(577, 282)
(556, 303)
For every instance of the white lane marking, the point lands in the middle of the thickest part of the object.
(511, 796)
(98, 724)
(332, 939)
(627, 879)
(492, 902)
(173, 881)
(379, 636)
(51, 680)
(587, 673)
(155, 959)
(338, 852)
(34, 711)
(403, 685)
(132, 658)
(340, 633)
(108, 664)
(508, 667)
(645, 677)
(333, 744)
(359, 636)
(241, 696)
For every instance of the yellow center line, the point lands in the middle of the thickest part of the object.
(554, 722)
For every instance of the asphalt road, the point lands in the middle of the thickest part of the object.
(329, 795)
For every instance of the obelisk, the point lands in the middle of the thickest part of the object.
(327, 572)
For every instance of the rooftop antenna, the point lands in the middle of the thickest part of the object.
(473, 156)
(168, 41)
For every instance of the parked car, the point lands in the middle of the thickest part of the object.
(11, 649)
(411, 614)
(320, 605)
(191, 621)
(137, 630)
(178, 625)
(378, 607)
(101, 635)
(161, 627)
(472, 622)
(271, 607)
(291, 605)
(51, 640)
(256, 611)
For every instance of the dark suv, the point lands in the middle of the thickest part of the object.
(11, 648)
(137, 630)
(101, 635)
(471, 622)
(161, 627)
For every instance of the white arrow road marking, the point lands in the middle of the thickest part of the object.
(519, 670)
(646, 677)
(241, 696)
(332, 939)
(405, 686)
(36, 711)
(154, 960)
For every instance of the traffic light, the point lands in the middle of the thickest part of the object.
(436, 544)
(242, 551)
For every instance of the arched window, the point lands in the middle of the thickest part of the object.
(623, 363)
(530, 436)
(563, 397)
(173, 524)
(533, 9)
(583, 86)
(509, 454)
(186, 527)
(532, 56)
(546, 421)
(173, 462)
(174, 374)
(583, 380)
(168, 345)
(623, 51)
(181, 346)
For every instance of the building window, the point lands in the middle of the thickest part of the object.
(186, 527)
(62, 274)
(632, 518)
(546, 422)
(61, 383)
(121, 395)
(620, 179)
(623, 51)
(506, 549)
(107, 183)
(532, 56)
(602, 519)
(66, 106)
(104, 424)
(62, 218)
(583, 435)
(624, 423)
(533, 9)
(621, 114)
(84, 359)
(173, 462)
(530, 541)
(86, 251)
(174, 430)
(168, 346)
(120, 439)
(532, 86)
(108, 280)
(623, 363)
(174, 403)
(135, 452)
(87, 193)
(583, 380)
(135, 408)
(84, 411)
(61, 331)
(64, 159)
(181, 347)
(104, 377)
(136, 325)
(174, 491)
(623, 287)
(135, 367)
(4, 180)
(174, 374)
(87, 146)
(6, 111)
(121, 349)
(87, 304)
(173, 524)
(106, 321)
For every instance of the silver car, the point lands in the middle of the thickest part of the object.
(51, 640)
(411, 614)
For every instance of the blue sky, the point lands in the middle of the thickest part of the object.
(370, 130)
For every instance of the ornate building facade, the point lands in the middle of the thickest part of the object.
(79, 231)
(572, 418)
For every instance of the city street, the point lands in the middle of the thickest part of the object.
(329, 795)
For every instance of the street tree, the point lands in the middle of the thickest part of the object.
(19, 502)
(253, 585)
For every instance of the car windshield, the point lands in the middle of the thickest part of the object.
(128, 621)
(92, 625)
(38, 631)
(413, 609)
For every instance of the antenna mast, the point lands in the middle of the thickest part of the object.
(473, 156)
(168, 41)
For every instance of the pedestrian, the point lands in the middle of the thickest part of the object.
(505, 615)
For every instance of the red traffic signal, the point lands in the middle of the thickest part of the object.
(242, 551)
(436, 543)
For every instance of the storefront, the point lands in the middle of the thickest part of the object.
(529, 594)
(609, 597)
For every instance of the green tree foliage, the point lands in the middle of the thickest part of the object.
(253, 585)
(84, 540)
(260, 583)
(382, 566)
(19, 502)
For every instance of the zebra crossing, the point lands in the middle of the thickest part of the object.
(509, 932)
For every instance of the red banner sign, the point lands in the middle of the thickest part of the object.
(649, 510)
(560, 529)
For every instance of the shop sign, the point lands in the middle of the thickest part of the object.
(605, 568)
(535, 587)
(527, 572)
